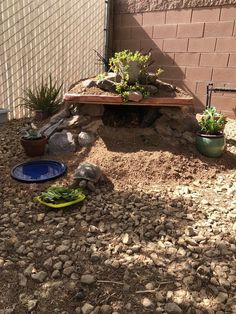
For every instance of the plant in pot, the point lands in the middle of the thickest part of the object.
(210, 140)
(33, 142)
(44, 99)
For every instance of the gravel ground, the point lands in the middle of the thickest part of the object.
(154, 244)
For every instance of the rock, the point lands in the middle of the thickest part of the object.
(87, 279)
(28, 271)
(68, 270)
(125, 238)
(56, 274)
(40, 276)
(222, 297)
(64, 113)
(150, 286)
(85, 138)
(151, 89)
(89, 83)
(93, 126)
(32, 304)
(87, 308)
(62, 249)
(78, 310)
(147, 302)
(163, 127)
(107, 85)
(61, 143)
(22, 280)
(91, 110)
(173, 308)
(135, 96)
(48, 263)
(75, 121)
(112, 76)
(106, 309)
(52, 128)
(189, 137)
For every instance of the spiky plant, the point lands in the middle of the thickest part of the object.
(44, 97)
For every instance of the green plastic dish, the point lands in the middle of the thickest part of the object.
(61, 205)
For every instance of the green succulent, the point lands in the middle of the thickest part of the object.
(212, 121)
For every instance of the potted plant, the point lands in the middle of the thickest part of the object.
(33, 142)
(210, 140)
(44, 99)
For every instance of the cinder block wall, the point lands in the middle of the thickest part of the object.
(48, 36)
(194, 46)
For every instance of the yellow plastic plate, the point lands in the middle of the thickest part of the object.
(80, 198)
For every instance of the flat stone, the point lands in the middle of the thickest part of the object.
(107, 85)
(64, 113)
(89, 83)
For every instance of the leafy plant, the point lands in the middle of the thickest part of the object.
(122, 64)
(57, 195)
(123, 59)
(124, 89)
(212, 122)
(44, 97)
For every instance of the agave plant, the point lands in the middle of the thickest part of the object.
(212, 121)
(44, 97)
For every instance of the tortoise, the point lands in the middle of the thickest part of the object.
(88, 175)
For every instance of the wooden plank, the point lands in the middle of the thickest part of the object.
(93, 98)
(117, 100)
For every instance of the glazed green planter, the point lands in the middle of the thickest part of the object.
(210, 145)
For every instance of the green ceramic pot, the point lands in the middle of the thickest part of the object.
(210, 145)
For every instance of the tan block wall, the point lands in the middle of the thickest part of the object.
(49, 36)
(194, 47)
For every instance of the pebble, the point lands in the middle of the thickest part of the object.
(147, 302)
(173, 308)
(87, 308)
(106, 309)
(40, 276)
(87, 279)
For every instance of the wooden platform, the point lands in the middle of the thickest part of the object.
(117, 100)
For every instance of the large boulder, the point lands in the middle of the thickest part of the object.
(61, 142)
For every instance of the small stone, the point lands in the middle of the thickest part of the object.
(135, 96)
(87, 308)
(40, 217)
(58, 265)
(125, 238)
(222, 297)
(107, 85)
(85, 138)
(87, 279)
(78, 310)
(32, 304)
(56, 274)
(173, 308)
(147, 302)
(150, 286)
(62, 249)
(106, 309)
(40, 276)
(68, 270)
(22, 280)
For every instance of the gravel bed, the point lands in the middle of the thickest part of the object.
(155, 247)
